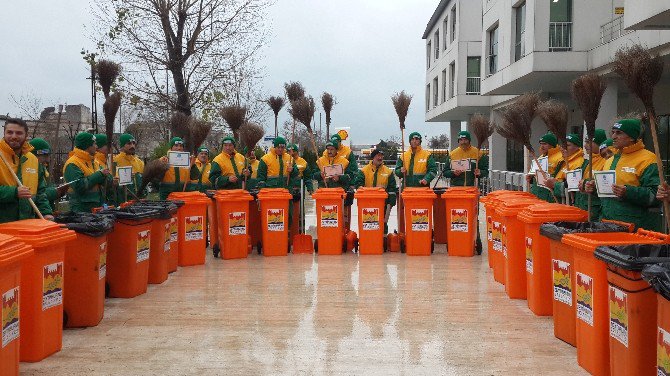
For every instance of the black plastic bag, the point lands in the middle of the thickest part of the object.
(633, 257)
(133, 213)
(556, 230)
(91, 224)
(166, 209)
(658, 276)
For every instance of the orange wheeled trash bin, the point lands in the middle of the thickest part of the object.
(633, 318)
(418, 221)
(592, 294)
(371, 202)
(192, 222)
(329, 221)
(439, 215)
(275, 220)
(13, 253)
(42, 284)
(461, 220)
(232, 207)
(85, 268)
(212, 224)
(658, 275)
(173, 257)
(538, 255)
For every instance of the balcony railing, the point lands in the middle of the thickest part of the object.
(560, 36)
(612, 30)
(473, 85)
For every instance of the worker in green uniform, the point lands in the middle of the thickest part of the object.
(549, 149)
(377, 174)
(81, 170)
(276, 169)
(42, 150)
(416, 165)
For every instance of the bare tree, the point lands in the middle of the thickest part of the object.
(200, 44)
(439, 142)
(30, 107)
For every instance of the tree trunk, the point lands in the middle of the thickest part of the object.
(183, 100)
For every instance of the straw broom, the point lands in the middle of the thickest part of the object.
(555, 115)
(250, 135)
(327, 102)
(303, 111)
(483, 128)
(294, 92)
(107, 73)
(154, 172)
(587, 92)
(276, 104)
(110, 108)
(234, 116)
(641, 71)
(198, 130)
(516, 125)
(401, 102)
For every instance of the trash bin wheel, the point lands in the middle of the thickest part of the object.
(402, 246)
(216, 250)
(106, 290)
(385, 243)
(356, 246)
(316, 245)
(432, 246)
(65, 318)
(478, 247)
(259, 247)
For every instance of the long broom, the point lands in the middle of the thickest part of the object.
(516, 125)
(483, 128)
(587, 92)
(294, 92)
(555, 115)
(154, 172)
(276, 104)
(107, 74)
(250, 135)
(234, 116)
(401, 102)
(303, 111)
(198, 131)
(327, 102)
(641, 71)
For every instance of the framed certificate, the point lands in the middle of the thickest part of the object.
(333, 170)
(125, 175)
(460, 165)
(572, 178)
(544, 162)
(604, 182)
(179, 158)
(542, 178)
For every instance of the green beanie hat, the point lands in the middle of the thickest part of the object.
(228, 140)
(202, 148)
(631, 127)
(176, 140)
(292, 147)
(574, 139)
(336, 137)
(84, 140)
(331, 143)
(125, 138)
(464, 134)
(279, 141)
(101, 140)
(607, 143)
(550, 139)
(40, 146)
(415, 134)
(600, 136)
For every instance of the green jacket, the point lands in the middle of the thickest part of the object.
(14, 209)
(412, 179)
(85, 193)
(467, 179)
(263, 181)
(50, 188)
(344, 181)
(372, 174)
(544, 193)
(164, 189)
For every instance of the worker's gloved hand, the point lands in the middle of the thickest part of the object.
(23, 192)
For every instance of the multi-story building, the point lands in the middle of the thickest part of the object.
(543, 45)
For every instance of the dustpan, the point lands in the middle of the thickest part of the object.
(302, 243)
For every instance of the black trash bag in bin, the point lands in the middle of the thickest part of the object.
(658, 276)
(91, 224)
(633, 257)
(556, 230)
(166, 208)
(133, 213)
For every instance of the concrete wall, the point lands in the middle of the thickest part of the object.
(653, 12)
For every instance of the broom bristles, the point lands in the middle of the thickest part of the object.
(154, 172)
(587, 92)
(110, 108)
(401, 102)
(276, 104)
(234, 116)
(327, 102)
(517, 119)
(555, 116)
(199, 130)
(250, 134)
(640, 71)
(107, 71)
(294, 91)
(179, 124)
(303, 111)
(482, 128)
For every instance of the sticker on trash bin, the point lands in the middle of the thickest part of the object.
(237, 223)
(504, 240)
(166, 244)
(496, 236)
(174, 230)
(459, 220)
(584, 291)
(562, 282)
(329, 216)
(663, 351)
(370, 219)
(143, 242)
(619, 315)
(102, 261)
(529, 255)
(193, 227)
(52, 285)
(420, 220)
(489, 229)
(10, 316)
(275, 218)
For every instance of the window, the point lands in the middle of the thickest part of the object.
(427, 97)
(444, 86)
(437, 44)
(436, 92)
(560, 25)
(452, 79)
(473, 79)
(520, 43)
(493, 51)
(429, 50)
(453, 23)
(515, 157)
(445, 28)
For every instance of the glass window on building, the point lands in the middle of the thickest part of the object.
(560, 25)
(515, 158)
(453, 23)
(437, 44)
(452, 79)
(444, 85)
(429, 51)
(520, 30)
(436, 92)
(493, 51)
(445, 28)
(473, 79)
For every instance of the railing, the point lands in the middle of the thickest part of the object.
(514, 181)
(560, 36)
(473, 85)
(612, 30)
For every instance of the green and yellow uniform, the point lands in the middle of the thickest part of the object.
(85, 192)
(467, 178)
(555, 162)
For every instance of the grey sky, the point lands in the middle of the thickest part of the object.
(360, 51)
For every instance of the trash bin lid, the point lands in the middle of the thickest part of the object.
(133, 213)
(493, 199)
(415, 192)
(556, 230)
(189, 197)
(233, 195)
(658, 276)
(540, 213)
(38, 232)
(634, 257)
(329, 193)
(371, 192)
(514, 206)
(274, 193)
(12, 250)
(589, 242)
(461, 192)
(91, 224)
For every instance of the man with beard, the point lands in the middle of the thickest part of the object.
(42, 150)
(228, 170)
(377, 174)
(125, 158)
(14, 204)
(85, 190)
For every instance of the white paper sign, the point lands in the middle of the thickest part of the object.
(542, 178)
(604, 182)
(333, 170)
(573, 178)
(179, 158)
(125, 175)
(544, 162)
(460, 165)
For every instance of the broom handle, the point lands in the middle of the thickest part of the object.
(316, 153)
(246, 165)
(591, 176)
(543, 173)
(288, 175)
(19, 184)
(404, 174)
(659, 163)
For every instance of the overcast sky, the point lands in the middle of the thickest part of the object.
(361, 51)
